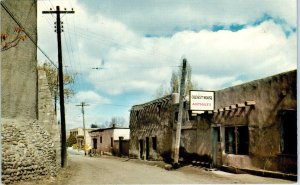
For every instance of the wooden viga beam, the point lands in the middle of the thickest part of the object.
(250, 103)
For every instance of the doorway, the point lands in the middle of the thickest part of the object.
(121, 146)
(141, 144)
(216, 146)
(147, 148)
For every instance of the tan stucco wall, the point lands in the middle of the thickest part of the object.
(18, 64)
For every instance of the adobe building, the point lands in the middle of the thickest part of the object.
(78, 133)
(113, 140)
(151, 126)
(252, 128)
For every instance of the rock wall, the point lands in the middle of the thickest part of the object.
(30, 147)
(46, 114)
(28, 152)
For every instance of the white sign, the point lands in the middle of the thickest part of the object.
(202, 100)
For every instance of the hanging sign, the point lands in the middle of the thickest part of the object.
(202, 100)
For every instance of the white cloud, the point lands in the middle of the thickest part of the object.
(156, 17)
(113, 35)
(90, 96)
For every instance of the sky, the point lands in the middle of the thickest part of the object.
(121, 52)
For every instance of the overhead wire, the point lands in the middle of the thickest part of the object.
(28, 35)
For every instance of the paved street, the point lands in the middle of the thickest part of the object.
(112, 170)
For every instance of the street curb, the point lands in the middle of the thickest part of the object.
(262, 173)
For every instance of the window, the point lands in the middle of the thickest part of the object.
(100, 139)
(154, 144)
(111, 141)
(288, 132)
(237, 140)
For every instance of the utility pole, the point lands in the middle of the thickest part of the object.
(61, 82)
(82, 105)
(180, 112)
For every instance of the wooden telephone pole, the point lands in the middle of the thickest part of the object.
(82, 105)
(180, 112)
(61, 83)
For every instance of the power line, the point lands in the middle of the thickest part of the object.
(28, 35)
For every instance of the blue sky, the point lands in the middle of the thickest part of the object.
(137, 44)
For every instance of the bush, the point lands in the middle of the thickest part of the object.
(71, 140)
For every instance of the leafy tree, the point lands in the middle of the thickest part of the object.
(71, 140)
(52, 78)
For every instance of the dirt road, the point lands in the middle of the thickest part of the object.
(111, 170)
(85, 170)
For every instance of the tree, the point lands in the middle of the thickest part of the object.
(175, 83)
(117, 121)
(71, 140)
(94, 125)
(52, 78)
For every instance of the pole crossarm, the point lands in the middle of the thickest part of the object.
(56, 12)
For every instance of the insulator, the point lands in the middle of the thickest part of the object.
(54, 30)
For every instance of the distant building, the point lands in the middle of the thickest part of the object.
(253, 127)
(113, 140)
(79, 135)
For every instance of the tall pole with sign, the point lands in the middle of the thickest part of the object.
(180, 112)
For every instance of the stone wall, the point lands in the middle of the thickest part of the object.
(47, 118)
(30, 147)
(28, 152)
(30, 134)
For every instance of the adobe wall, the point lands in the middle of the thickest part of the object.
(30, 147)
(271, 95)
(18, 64)
(195, 140)
(145, 121)
(30, 134)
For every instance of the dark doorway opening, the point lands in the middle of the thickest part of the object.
(154, 143)
(288, 132)
(95, 143)
(141, 143)
(121, 145)
(147, 148)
